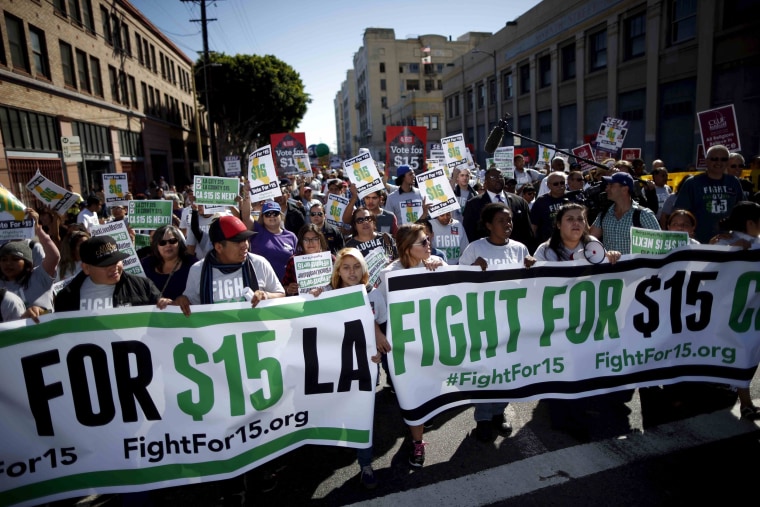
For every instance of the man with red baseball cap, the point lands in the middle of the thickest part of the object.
(229, 272)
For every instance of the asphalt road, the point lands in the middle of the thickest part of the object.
(693, 459)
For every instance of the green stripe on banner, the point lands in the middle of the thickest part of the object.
(166, 320)
(108, 478)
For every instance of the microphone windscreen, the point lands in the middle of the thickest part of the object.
(494, 139)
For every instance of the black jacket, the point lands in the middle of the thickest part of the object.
(522, 230)
(130, 290)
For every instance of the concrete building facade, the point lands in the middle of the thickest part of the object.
(101, 71)
(396, 82)
(564, 65)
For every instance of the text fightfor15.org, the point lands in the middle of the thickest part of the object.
(156, 450)
(604, 360)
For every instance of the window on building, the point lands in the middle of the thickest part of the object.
(507, 91)
(524, 78)
(133, 91)
(23, 130)
(113, 81)
(683, 20)
(401, 69)
(426, 122)
(105, 21)
(414, 67)
(384, 102)
(67, 64)
(544, 71)
(59, 7)
(382, 85)
(153, 58)
(492, 91)
(481, 96)
(412, 84)
(123, 89)
(382, 67)
(87, 17)
(470, 100)
(116, 30)
(429, 85)
(440, 84)
(126, 44)
(434, 122)
(634, 34)
(3, 61)
(146, 53)
(456, 105)
(174, 74)
(97, 81)
(75, 13)
(163, 65)
(17, 42)
(597, 50)
(567, 56)
(39, 52)
(144, 90)
(450, 106)
(138, 46)
(83, 71)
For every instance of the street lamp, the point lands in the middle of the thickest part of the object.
(492, 54)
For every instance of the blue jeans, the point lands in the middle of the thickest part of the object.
(487, 411)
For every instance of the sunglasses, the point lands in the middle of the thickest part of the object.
(557, 184)
(270, 214)
(316, 214)
(424, 242)
(164, 242)
(362, 220)
(719, 159)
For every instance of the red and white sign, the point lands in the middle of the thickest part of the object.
(718, 126)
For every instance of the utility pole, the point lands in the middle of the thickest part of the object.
(211, 128)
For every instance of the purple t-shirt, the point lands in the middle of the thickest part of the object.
(276, 248)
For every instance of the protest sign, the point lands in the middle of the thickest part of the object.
(436, 188)
(303, 166)
(132, 399)
(118, 231)
(149, 215)
(411, 209)
(53, 196)
(504, 158)
(262, 175)
(285, 146)
(232, 165)
(611, 134)
(648, 241)
(630, 154)
(13, 221)
(334, 207)
(210, 190)
(567, 330)
(587, 152)
(362, 172)
(115, 189)
(546, 154)
(454, 152)
(719, 126)
(376, 260)
(406, 146)
(313, 270)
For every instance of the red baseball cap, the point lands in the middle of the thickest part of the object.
(228, 228)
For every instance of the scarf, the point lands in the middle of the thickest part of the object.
(211, 262)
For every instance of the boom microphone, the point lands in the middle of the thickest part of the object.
(496, 135)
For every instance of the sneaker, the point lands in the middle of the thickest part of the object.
(750, 413)
(368, 478)
(502, 424)
(417, 456)
(484, 431)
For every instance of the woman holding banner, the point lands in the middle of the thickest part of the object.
(414, 249)
(350, 269)
(168, 264)
(310, 241)
(569, 237)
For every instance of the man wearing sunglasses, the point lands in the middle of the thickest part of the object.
(331, 233)
(710, 196)
(546, 206)
(735, 168)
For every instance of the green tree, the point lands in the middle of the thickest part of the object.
(250, 97)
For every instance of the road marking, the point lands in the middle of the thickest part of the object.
(557, 467)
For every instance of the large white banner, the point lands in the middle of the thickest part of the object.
(138, 398)
(461, 335)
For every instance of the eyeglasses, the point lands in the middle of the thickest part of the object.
(316, 214)
(164, 242)
(361, 220)
(719, 159)
(557, 184)
(424, 242)
(270, 214)
(310, 240)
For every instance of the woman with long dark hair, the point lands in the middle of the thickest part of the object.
(168, 264)
(569, 237)
(310, 241)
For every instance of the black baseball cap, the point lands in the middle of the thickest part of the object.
(101, 251)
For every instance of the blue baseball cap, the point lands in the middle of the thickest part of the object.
(621, 178)
(270, 206)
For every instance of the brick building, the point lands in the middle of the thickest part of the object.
(101, 71)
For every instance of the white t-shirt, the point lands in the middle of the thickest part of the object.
(95, 296)
(229, 288)
(513, 252)
(450, 239)
(88, 218)
(204, 246)
(11, 307)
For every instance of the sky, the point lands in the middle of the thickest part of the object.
(319, 39)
